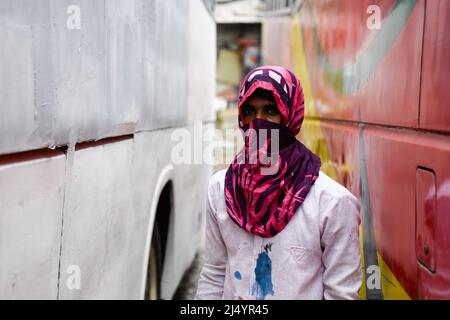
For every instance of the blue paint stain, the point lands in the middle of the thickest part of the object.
(237, 275)
(263, 271)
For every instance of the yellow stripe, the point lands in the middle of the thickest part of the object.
(392, 289)
(314, 139)
(299, 65)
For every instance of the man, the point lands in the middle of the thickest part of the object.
(286, 233)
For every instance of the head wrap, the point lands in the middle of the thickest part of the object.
(262, 196)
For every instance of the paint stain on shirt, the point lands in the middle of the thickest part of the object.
(237, 275)
(263, 272)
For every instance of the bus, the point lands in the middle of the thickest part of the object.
(374, 74)
(91, 204)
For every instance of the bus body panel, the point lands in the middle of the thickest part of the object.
(106, 86)
(369, 92)
(31, 202)
(91, 71)
(435, 95)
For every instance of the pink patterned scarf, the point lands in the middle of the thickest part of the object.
(258, 200)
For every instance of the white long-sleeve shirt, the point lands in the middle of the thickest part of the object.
(316, 256)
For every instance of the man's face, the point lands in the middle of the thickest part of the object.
(260, 108)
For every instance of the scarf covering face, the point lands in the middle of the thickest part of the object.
(263, 202)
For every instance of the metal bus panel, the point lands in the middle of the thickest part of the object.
(436, 285)
(350, 72)
(89, 71)
(353, 65)
(201, 70)
(119, 70)
(426, 214)
(25, 110)
(190, 181)
(170, 70)
(329, 90)
(152, 171)
(98, 222)
(276, 32)
(31, 205)
(392, 93)
(434, 110)
(130, 58)
(76, 63)
(336, 43)
(337, 145)
(392, 158)
(109, 218)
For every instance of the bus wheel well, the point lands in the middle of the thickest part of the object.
(163, 216)
(159, 243)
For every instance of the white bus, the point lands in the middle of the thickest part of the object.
(91, 204)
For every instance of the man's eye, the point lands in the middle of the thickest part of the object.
(272, 110)
(247, 111)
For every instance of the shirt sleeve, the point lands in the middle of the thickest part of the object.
(341, 255)
(212, 276)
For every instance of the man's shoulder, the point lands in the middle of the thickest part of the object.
(323, 185)
(217, 179)
(216, 188)
(334, 200)
(327, 188)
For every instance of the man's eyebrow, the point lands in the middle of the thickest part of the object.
(268, 104)
(271, 104)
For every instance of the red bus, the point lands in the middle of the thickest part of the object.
(375, 80)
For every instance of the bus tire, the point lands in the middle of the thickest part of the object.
(153, 282)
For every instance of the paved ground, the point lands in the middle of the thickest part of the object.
(188, 285)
